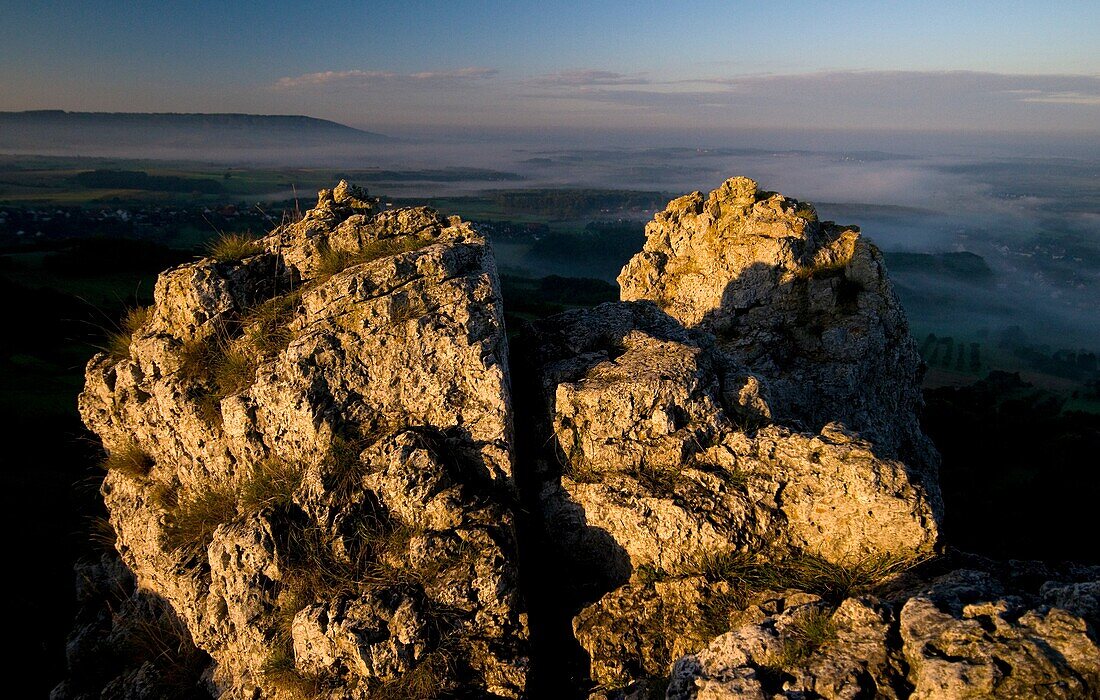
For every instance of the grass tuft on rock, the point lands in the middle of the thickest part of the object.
(194, 518)
(216, 367)
(119, 340)
(129, 459)
(280, 671)
(162, 638)
(805, 211)
(809, 632)
(102, 534)
(233, 247)
(658, 480)
(715, 612)
(272, 484)
(335, 261)
(427, 680)
(807, 572)
(267, 325)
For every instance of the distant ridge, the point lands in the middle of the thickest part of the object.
(219, 136)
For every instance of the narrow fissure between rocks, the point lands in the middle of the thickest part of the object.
(559, 666)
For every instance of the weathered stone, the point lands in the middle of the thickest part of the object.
(675, 442)
(724, 478)
(329, 426)
(804, 305)
(963, 639)
(964, 636)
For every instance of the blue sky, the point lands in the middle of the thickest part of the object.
(928, 65)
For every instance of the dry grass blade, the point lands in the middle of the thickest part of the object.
(831, 580)
(129, 459)
(426, 680)
(806, 211)
(164, 640)
(272, 484)
(233, 247)
(101, 533)
(280, 671)
(216, 367)
(335, 261)
(268, 324)
(809, 632)
(192, 522)
(118, 341)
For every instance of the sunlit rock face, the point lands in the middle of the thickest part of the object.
(753, 396)
(324, 427)
(963, 635)
(803, 304)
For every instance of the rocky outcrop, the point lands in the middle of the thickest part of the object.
(806, 304)
(127, 643)
(717, 485)
(744, 410)
(965, 634)
(320, 457)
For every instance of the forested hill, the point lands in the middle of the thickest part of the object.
(103, 133)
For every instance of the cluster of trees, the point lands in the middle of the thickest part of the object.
(1070, 363)
(614, 246)
(510, 230)
(944, 352)
(158, 222)
(550, 295)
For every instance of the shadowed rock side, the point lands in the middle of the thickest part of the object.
(320, 430)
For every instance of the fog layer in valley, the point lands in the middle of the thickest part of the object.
(1028, 205)
(1034, 221)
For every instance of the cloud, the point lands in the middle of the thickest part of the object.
(588, 78)
(332, 76)
(1077, 89)
(471, 73)
(1066, 98)
(363, 78)
(876, 99)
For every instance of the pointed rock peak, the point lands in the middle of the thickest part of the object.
(351, 195)
(803, 303)
(739, 190)
(330, 450)
(344, 199)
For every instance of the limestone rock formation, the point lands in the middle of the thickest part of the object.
(748, 404)
(717, 485)
(320, 451)
(127, 643)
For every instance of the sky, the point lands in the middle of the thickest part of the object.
(584, 64)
